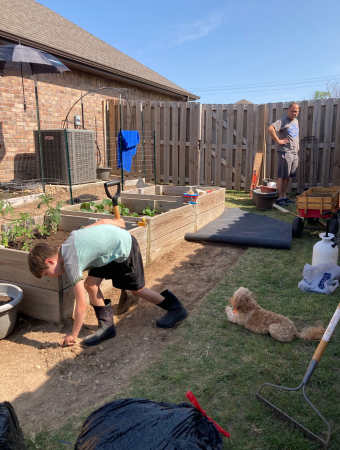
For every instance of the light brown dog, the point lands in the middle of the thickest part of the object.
(245, 311)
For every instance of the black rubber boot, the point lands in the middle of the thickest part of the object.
(106, 329)
(175, 311)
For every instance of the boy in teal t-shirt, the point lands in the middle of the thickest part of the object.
(108, 251)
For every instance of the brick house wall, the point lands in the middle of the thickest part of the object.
(57, 93)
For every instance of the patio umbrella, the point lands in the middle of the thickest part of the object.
(19, 60)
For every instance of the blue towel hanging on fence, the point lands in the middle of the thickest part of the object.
(129, 141)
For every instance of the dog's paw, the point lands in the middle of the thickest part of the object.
(230, 313)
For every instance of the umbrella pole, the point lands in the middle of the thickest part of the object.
(39, 133)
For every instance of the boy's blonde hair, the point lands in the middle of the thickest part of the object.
(37, 256)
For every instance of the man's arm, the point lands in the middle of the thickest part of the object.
(272, 133)
(116, 222)
(79, 314)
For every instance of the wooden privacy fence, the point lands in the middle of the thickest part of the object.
(218, 145)
(176, 127)
(234, 135)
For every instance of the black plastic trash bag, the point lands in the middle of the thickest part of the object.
(137, 424)
(11, 437)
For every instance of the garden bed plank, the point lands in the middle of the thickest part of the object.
(140, 233)
(39, 303)
(209, 201)
(138, 205)
(167, 222)
(71, 222)
(176, 190)
(159, 247)
(14, 267)
(128, 195)
(209, 215)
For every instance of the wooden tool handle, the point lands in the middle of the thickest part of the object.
(116, 212)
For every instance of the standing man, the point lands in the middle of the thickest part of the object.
(285, 133)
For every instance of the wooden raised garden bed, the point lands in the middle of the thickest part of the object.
(52, 299)
(166, 229)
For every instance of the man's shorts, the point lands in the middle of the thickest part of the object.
(287, 164)
(128, 275)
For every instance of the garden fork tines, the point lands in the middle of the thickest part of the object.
(312, 366)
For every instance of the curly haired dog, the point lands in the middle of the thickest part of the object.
(245, 311)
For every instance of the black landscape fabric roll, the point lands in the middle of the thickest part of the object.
(238, 227)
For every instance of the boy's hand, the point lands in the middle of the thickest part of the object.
(68, 340)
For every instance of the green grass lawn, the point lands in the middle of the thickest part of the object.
(224, 364)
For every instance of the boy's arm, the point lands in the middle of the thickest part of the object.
(79, 314)
(117, 222)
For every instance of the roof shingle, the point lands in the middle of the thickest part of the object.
(35, 24)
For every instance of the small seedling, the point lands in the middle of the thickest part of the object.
(23, 228)
(4, 238)
(122, 210)
(87, 206)
(150, 212)
(107, 202)
(53, 214)
(101, 209)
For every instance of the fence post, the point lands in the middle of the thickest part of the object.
(39, 133)
(258, 161)
(68, 167)
(336, 166)
(154, 155)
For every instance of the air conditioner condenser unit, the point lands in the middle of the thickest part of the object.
(81, 150)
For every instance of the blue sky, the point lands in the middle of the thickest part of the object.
(223, 51)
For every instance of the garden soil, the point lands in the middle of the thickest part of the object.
(46, 383)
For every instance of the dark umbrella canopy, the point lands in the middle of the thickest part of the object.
(19, 60)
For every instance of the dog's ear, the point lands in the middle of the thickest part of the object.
(243, 300)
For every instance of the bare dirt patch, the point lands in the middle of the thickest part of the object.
(46, 383)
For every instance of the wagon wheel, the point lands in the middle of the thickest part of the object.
(312, 220)
(297, 227)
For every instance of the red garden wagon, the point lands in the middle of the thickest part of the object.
(312, 204)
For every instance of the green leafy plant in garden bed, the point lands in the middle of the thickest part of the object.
(52, 214)
(150, 212)
(105, 207)
(24, 229)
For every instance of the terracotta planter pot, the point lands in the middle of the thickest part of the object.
(267, 189)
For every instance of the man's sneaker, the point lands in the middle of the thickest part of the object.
(281, 202)
(288, 200)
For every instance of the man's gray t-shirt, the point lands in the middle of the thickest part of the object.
(287, 129)
(94, 246)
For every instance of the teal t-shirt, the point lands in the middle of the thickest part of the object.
(94, 246)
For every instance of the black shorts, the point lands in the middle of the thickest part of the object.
(128, 275)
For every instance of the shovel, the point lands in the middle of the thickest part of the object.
(126, 300)
(115, 197)
(312, 366)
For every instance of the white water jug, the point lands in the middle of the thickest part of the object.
(323, 252)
